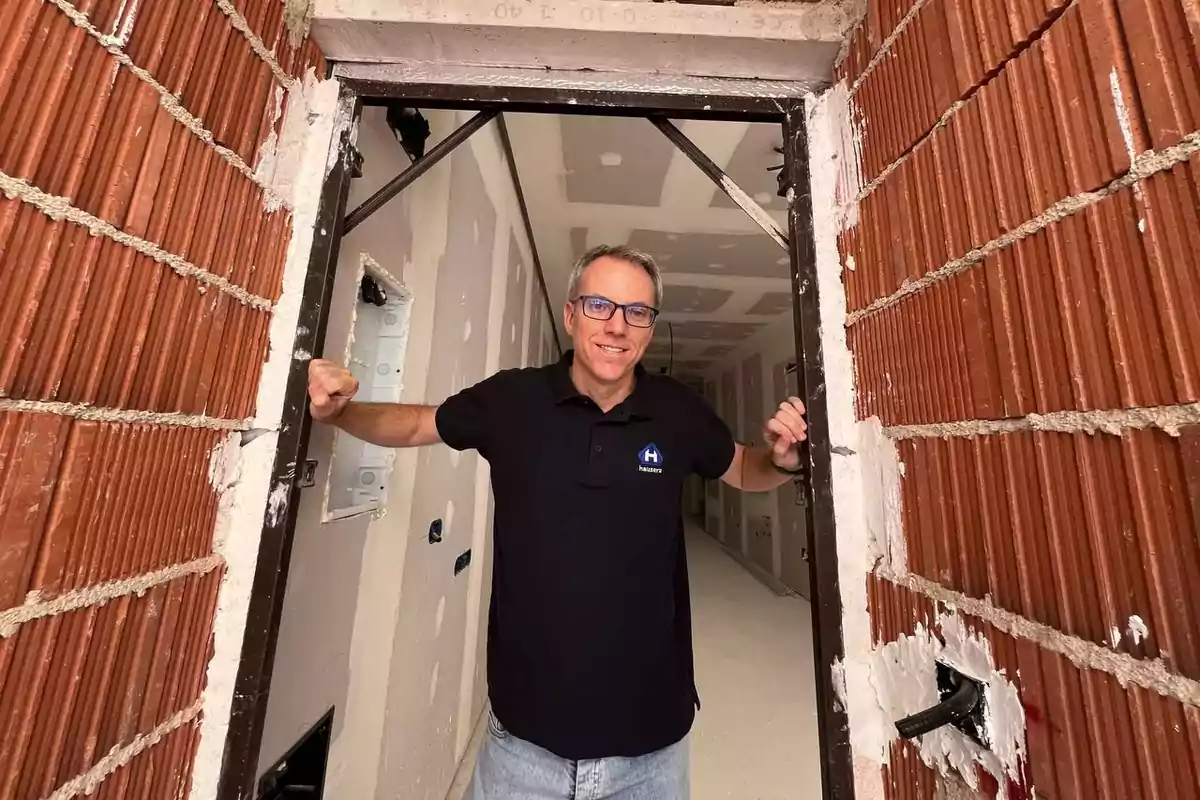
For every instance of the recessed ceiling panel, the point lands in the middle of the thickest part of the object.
(724, 331)
(746, 254)
(578, 241)
(748, 167)
(772, 303)
(693, 299)
(716, 350)
(615, 160)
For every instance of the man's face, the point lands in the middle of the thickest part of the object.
(609, 349)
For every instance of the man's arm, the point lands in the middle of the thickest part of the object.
(330, 389)
(756, 468)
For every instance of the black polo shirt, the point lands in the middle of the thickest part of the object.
(589, 633)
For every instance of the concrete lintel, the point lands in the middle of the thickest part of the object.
(780, 42)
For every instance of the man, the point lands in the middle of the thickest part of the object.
(589, 632)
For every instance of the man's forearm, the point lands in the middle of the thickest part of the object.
(390, 424)
(758, 471)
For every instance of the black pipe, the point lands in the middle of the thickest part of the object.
(415, 170)
(955, 707)
(506, 143)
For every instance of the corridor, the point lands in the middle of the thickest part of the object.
(755, 737)
(756, 734)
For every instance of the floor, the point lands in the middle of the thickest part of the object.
(756, 735)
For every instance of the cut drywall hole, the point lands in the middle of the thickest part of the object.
(301, 772)
(435, 531)
(375, 354)
(462, 562)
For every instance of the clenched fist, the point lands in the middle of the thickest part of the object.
(330, 387)
(784, 431)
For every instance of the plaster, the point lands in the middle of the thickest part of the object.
(903, 676)
(856, 551)
(748, 41)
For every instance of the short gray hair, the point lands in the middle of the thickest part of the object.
(618, 251)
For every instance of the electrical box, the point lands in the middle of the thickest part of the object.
(375, 353)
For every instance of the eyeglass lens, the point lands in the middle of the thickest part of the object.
(638, 316)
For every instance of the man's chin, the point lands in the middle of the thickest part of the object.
(610, 369)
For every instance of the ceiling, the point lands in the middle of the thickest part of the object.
(618, 180)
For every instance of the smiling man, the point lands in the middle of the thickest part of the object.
(589, 635)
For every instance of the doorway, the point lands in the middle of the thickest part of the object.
(475, 106)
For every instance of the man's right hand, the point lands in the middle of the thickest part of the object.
(330, 388)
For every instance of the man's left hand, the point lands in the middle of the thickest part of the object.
(784, 431)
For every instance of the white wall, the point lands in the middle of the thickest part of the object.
(375, 622)
(763, 354)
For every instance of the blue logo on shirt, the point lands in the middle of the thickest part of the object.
(650, 459)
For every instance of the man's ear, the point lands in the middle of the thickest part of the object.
(568, 316)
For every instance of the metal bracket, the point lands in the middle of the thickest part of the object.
(308, 475)
(416, 169)
(723, 181)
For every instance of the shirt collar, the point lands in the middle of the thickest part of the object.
(636, 405)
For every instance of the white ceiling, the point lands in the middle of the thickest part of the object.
(618, 180)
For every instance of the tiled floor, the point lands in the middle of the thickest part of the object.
(756, 735)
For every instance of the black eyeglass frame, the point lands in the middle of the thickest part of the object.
(615, 305)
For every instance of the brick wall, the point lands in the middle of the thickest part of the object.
(139, 268)
(1022, 281)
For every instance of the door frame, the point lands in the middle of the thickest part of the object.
(547, 93)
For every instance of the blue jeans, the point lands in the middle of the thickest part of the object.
(509, 768)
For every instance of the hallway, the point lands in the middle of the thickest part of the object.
(755, 737)
(756, 734)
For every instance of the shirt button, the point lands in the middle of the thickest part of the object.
(599, 448)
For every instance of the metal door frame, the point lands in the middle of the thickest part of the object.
(554, 96)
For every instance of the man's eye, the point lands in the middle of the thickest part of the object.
(640, 313)
(597, 305)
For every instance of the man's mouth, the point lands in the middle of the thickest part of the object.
(611, 349)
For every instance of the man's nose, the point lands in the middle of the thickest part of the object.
(616, 324)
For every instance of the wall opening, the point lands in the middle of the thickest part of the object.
(300, 773)
(461, 238)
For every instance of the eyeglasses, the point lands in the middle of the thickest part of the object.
(636, 314)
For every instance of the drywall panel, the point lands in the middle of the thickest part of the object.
(694, 299)
(753, 255)
(333, 650)
(791, 524)
(537, 324)
(617, 160)
(512, 330)
(744, 169)
(419, 752)
(479, 693)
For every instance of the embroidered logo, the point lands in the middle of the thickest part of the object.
(650, 459)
